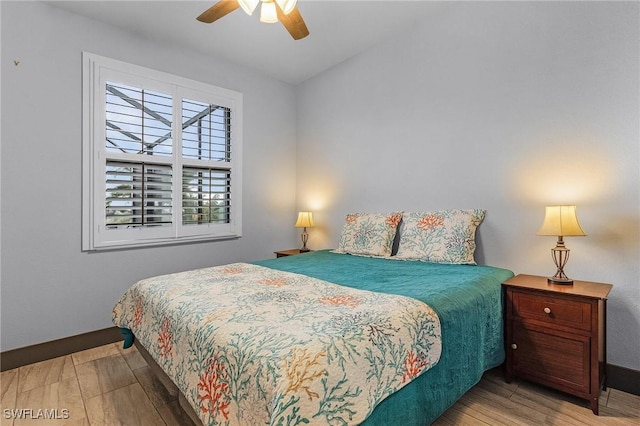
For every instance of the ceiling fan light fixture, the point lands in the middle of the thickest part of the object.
(272, 11)
(287, 5)
(268, 13)
(248, 5)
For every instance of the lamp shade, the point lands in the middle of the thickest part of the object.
(248, 5)
(561, 221)
(268, 13)
(305, 220)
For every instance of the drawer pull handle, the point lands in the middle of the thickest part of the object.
(514, 346)
(547, 310)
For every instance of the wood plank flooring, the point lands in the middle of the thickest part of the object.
(111, 386)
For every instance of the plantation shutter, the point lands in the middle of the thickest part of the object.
(138, 121)
(206, 196)
(138, 195)
(206, 131)
(206, 138)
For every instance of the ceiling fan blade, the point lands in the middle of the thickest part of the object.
(218, 10)
(293, 22)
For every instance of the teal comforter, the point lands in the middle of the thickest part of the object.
(468, 300)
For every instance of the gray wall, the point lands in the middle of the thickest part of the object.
(50, 289)
(507, 106)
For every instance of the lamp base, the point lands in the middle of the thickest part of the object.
(560, 255)
(561, 281)
(305, 238)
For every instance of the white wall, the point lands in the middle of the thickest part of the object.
(49, 288)
(507, 106)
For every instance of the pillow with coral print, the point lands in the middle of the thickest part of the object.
(445, 236)
(369, 234)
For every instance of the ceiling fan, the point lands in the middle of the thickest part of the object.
(271, 11)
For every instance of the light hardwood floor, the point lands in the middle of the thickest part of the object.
(111, 386)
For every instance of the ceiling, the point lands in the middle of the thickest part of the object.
(339, 29)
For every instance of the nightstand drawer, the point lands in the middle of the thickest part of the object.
(552, 310)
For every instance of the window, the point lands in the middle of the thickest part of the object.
(161, 158)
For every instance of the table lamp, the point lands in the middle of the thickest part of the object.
(560, 221)
(305, 220)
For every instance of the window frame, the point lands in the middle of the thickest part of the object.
(97, 70)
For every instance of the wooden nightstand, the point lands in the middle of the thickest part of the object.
(292, 252)
(556, 334)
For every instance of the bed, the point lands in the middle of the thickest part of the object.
(449, 329)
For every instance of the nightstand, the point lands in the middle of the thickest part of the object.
(555, 335)
(292, 252)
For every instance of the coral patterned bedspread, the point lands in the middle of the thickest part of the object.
(251, 345)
